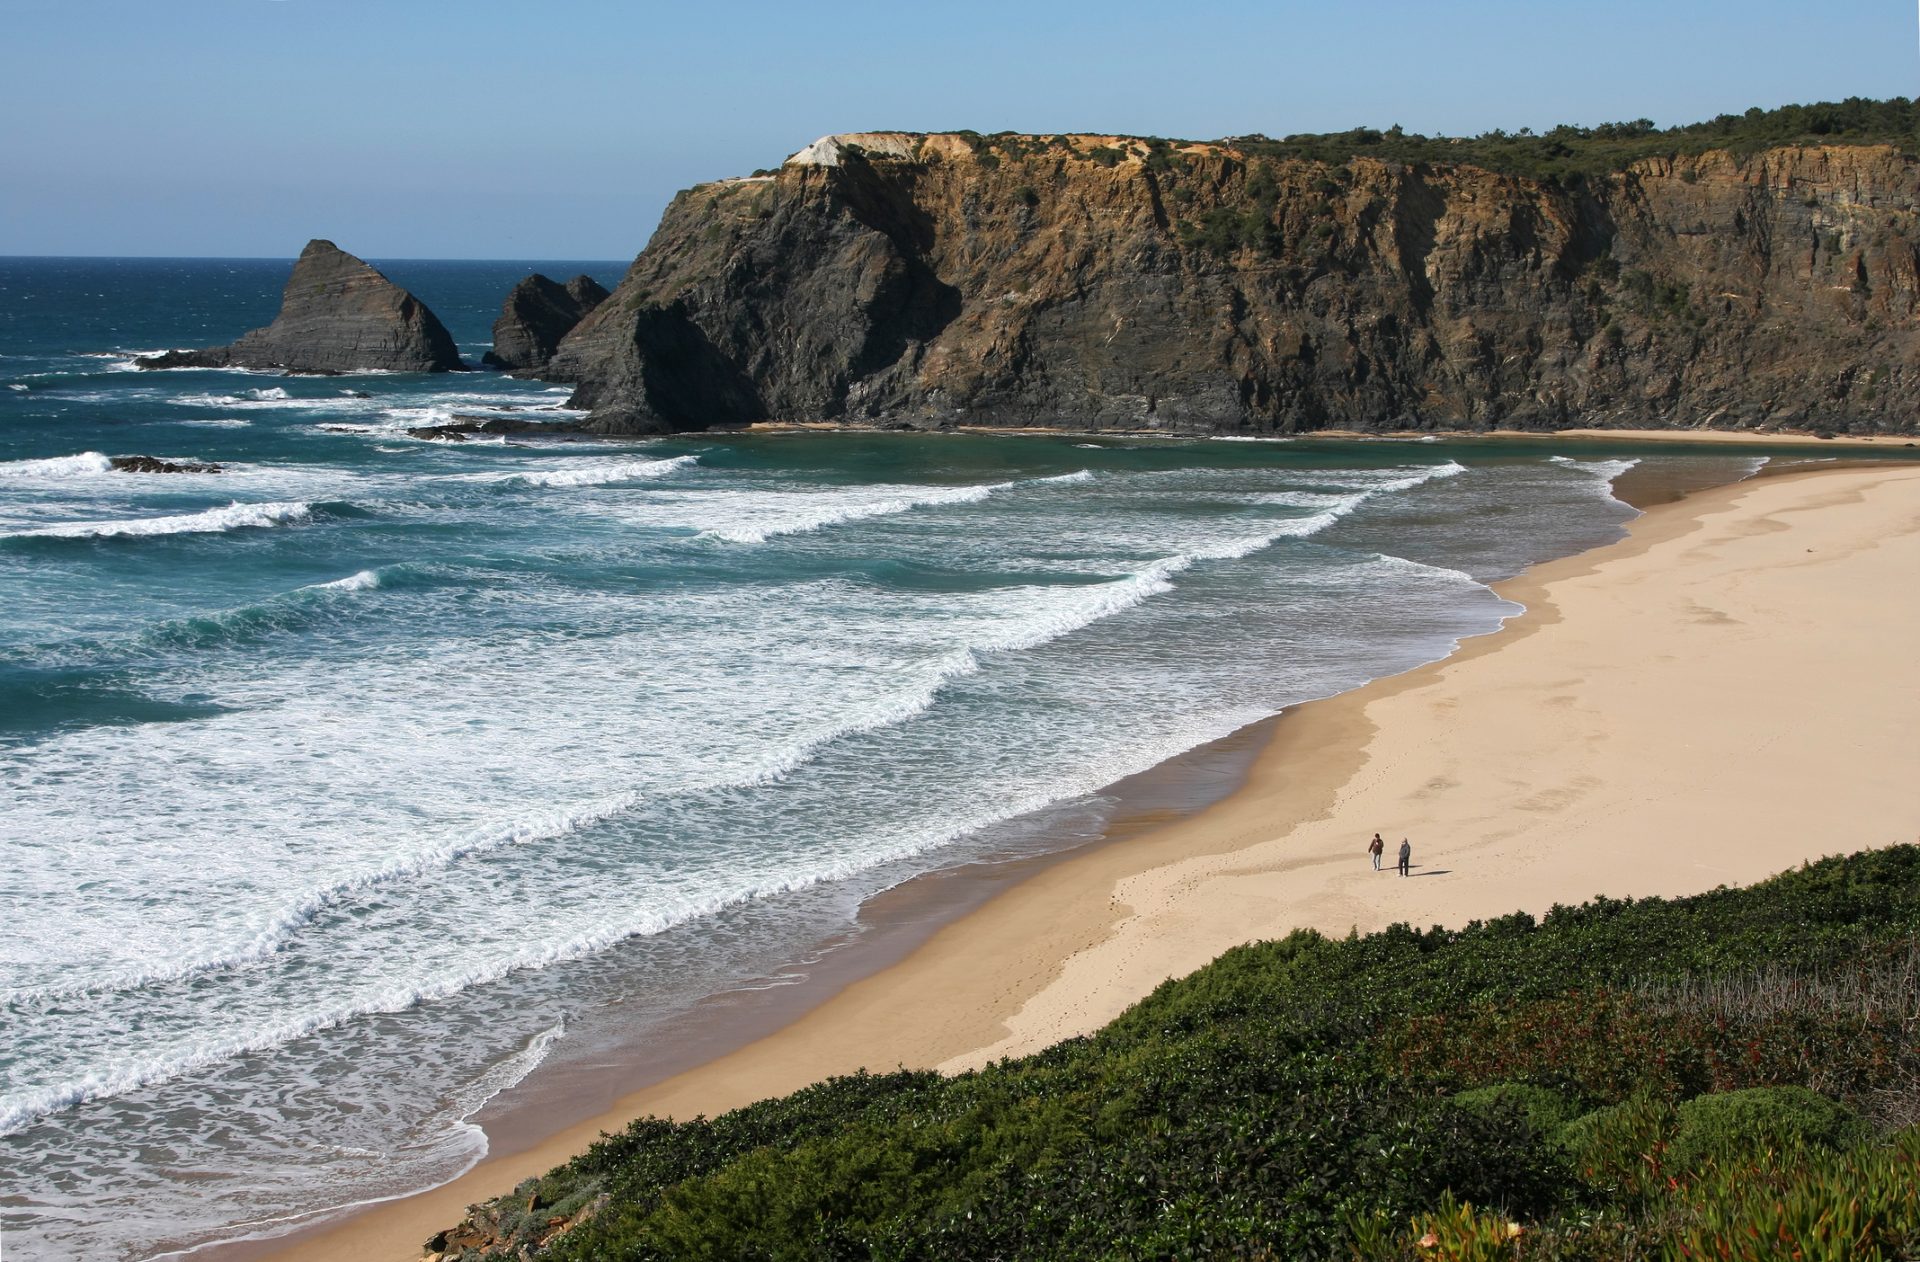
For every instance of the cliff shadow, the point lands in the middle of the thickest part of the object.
(689, 382)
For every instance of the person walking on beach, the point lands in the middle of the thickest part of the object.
(1406, 855)
(1376, 848)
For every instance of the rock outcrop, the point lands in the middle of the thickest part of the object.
(537, 314)
(465, 425)
(1102, 282)
(337, 315)
(153, 464)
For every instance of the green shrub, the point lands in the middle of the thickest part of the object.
(1620, 1151)
(1811, 1206)
(1734, 1124)
(1541, 1108)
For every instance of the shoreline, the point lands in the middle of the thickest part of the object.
(1681, 437)
(1067, 948)
(888, 927)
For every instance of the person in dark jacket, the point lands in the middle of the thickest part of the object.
(1376, 848)
(1406, 855)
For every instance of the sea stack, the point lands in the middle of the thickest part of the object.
(537, 314)
(337, 315)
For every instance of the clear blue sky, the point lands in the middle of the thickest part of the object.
(484, 129)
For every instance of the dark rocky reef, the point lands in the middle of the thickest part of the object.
(465, 425)
(1097, 282)
(537, 314)
(337, 315)
(153, 464)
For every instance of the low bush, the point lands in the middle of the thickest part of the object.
(1544, 1110)
(1732, 1125)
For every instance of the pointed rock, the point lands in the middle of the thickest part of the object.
(536, 315)
(337, 314)
(587, 291)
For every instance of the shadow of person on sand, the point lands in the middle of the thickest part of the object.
(1430, 872)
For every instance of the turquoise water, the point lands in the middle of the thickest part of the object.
(347, 784)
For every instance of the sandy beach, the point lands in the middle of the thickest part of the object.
(1727, 692)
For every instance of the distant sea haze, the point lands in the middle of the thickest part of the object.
(349, 785)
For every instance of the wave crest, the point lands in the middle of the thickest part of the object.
(234, 516)
(84, 465)
(849, 508)
(595, 473)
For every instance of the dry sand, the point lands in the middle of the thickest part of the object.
(1728, 692)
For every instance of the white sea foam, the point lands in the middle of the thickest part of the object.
(1250, 438)
(758, 517)
(15, 385)
(558, 473)
(86, 464)
(141, 1070)
(1007, 621)
(364, 581)
(272, 397)
(1605, 470)
(218, 422)
(213, 521)
(1418, 476)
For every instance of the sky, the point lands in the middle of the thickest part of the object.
(560, 130)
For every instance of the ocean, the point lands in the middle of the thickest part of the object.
(349, 785)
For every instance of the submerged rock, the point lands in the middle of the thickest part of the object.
(337, 315)
(536, 315)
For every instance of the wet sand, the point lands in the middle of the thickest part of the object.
(1677, 711)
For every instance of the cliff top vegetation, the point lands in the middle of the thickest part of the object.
(1559, 153)
(1567, 150)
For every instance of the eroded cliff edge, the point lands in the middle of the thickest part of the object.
(1105, 282)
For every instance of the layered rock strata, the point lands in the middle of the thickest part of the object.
(1104, 282)
(536, 315)
(337, 315)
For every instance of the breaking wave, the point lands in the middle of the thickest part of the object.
(583, 473)
(212, 521)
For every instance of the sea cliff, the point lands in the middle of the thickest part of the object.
(1103, 282)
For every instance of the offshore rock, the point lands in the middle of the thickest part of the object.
(337, 315)
(466, 424)
(536, 315)
(153, 464)
(1102, 282)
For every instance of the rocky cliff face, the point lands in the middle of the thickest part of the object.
(537, 314)
(1100, 282)
(337, 314)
